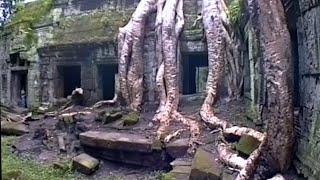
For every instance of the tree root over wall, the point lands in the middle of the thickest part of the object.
(169, 24)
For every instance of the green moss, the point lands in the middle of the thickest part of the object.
(236, 12)
(247, 144)
(131, 119)
(13, 166)
(98, 27)
(167, 176)
(24, 21)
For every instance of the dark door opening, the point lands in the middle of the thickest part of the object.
(107, 76)
(19, 88)
(70, 79)
(195, 71)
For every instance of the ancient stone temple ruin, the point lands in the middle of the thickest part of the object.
(75, 46)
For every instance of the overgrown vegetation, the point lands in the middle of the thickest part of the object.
(13, 167)
(27, 16)
(236, 12)
(96, 27)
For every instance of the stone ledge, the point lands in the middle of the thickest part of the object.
(116, 141)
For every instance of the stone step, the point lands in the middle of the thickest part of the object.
(126, 148)
(116, 141)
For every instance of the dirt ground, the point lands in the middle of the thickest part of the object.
(41, 143)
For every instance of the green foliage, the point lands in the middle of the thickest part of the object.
(236, 12)
(27, 17)
(14, 167)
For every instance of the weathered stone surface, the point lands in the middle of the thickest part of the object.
(110, 117)
(306, 5)
(11, 128)
(116, 141)
(131, 119)
(155, 159)
(308, 41)
(204, 166)
(85, 164)
(228, 175)
(247, 144)
(178, 173)
(181, 162)
(308, 124)
(178, 148)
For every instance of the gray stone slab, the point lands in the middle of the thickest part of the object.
(116, 141)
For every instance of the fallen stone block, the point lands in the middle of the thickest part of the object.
(61, 143)
(85, 164)
(205, 167)
(12, 128)
(178, 148)
(178, 173)
(247, 144)
(125, 148)
(116, 141)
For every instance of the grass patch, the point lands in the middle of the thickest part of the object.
(14, 167)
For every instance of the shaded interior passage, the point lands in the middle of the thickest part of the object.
(107, 78)
(70, 78)
(195, 71)
(19, 88)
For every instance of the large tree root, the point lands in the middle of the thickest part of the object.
(130, 48)
(240, 131)
(212, 21)
(229, 158)
(169, 24)
(252, 162)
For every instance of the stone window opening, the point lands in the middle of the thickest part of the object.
(16, 60)
(195, 71)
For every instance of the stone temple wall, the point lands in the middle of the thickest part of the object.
(308, 126)
(80, 32)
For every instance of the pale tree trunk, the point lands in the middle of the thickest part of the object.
(276, 44)
(130, 52)
(234, 64)
(212, 16)
(276, 152)
(169, 24)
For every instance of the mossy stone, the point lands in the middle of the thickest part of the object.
(131, 119)
(205, 167)
(111, 117)
(177, 173)
(247, 144)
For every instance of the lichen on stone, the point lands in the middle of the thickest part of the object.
(96, 27)
(27, 17)
(131, 119)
